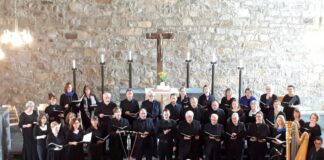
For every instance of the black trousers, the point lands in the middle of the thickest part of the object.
(165, 150)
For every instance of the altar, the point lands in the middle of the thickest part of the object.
(163, 96)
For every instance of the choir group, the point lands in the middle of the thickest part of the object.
(187, 128)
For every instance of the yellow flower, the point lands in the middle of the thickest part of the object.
(163, 76)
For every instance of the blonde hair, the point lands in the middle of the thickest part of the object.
(283, 121)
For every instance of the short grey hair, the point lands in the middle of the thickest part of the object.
(30, 104)
(189, 113)
(235, 115)
(214, 115)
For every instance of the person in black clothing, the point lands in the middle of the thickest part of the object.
(175, 109)
(130, 107)
(67, 97)
(250, 117)
(95, 151)
(188, 136)
(117, 138)
(153, 108)
(54, 111)
(87, 107)
(317, 152)
(183, 99)
(75, 136)
(143, 141)
(214, 133)
(313, 128)
(55, 143)
(40, 134)
(257, 133)
(215, 109)
(297, 118)
(205, 100)
(235, 108)
(267, 100)
(166, 130)
(226, 101)
(27, 121)
(195, 108)
(235, 133)
(275, 112)
(105, 112)
(290, 101)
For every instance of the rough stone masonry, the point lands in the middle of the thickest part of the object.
(278, 40)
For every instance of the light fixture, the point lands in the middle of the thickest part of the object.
(16, 38)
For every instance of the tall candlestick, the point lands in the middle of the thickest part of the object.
(188, 55)
(130, 55)
(102, 59)
(73, 64)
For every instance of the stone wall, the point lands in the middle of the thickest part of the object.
(276, 39)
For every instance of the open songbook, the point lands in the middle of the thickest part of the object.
(213, 135)
(57, 146)
(86, 138)
(103, 139)
(75, 102)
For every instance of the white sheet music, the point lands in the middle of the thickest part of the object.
(87, 137)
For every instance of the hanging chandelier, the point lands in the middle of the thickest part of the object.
(16, 37)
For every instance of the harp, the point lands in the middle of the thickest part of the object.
(296, 145)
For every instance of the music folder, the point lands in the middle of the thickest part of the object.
(86, 138)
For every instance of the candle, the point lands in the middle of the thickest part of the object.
(188, 56)
(241, 63)
(130, 55)
(73, 64)
(102, 59)
(214, 58)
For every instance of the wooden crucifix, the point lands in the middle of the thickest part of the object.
(159, 35)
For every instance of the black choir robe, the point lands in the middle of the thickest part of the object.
(153, 108)
(75, 152)
(226, 104)
(198, 113)
(240, 112)
(257, 150)
(235, 145)
(221, 116)
(176, 111)
(29, 143)
(166, 141)
(314, 132)
(287, 101)
(118, 141)
(131, 106)
(205, 101)
(106, 109)
(265, 104)
(53, 112)
(213, 147)
(52, 153)
(87, 107)
(41, 143)
(316, 155)
(184, 102)
(94, 149)
(188, 148)
(67, 99)
(144, 145)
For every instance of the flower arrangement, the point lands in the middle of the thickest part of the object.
(162, 76)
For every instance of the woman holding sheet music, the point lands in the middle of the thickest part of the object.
(227, 100)
(74, 137)
(257, 134)
(54, 111)
(55, 143)
(40, 134)
(289, 102)
(66, 99)
(278, 143)
(87, 106)
(27, 121)
(95, 151)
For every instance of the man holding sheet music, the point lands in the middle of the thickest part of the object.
(213, 135)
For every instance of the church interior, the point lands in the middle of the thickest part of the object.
(196, 51)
